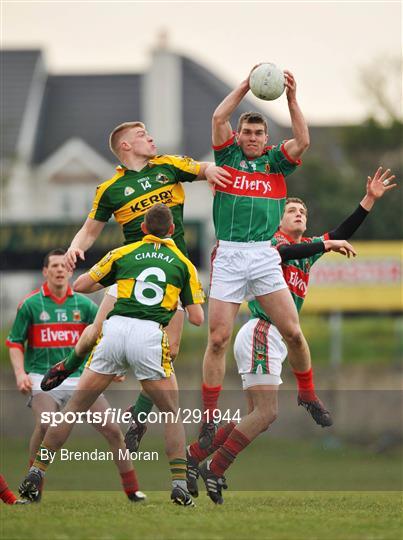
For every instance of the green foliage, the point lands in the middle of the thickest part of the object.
(380, 82)
(365, 340)
(326, 194)
(371, 136)
(333, 185)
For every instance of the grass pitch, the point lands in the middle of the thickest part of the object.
(271, 515)
(308, 510)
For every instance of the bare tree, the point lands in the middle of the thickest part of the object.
(381, 86)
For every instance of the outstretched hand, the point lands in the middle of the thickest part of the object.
(380, 183)
(340, 246)
(217, 176)
(70, 258)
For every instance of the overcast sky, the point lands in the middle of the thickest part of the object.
(323, 43)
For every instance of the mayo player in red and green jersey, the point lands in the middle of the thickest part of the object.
(259, 350)
(246, 215)
(47, 326)
(151, 276)
(291, 244)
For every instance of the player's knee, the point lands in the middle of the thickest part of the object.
(42, 429)
(272, 417)
(266, 419)
(168, 411)
(218, 340)
(112, 434)
(93, 331)
(294, 336)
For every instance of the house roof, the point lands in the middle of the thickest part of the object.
(17, 69)
(87, 107)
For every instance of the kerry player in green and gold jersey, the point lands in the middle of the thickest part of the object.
(142, 180)
(247, 213)
(151, 275)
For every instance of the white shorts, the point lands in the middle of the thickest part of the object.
(259, 353)
(113, 291)
(132, 343)
(61, 394)
(243, 270)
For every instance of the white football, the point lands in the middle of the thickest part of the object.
(267, 81)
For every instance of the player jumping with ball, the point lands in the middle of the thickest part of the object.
(246, 216)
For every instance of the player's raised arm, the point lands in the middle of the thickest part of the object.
(305, 250)
(82, 241)
(221, 126)
(101, 275)
(376, 187)
(295, 147)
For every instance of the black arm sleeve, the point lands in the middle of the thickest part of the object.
(346, 229)
(300, 251)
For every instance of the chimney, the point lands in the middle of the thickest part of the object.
(161, 96)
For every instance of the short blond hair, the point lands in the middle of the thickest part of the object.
(114, 139)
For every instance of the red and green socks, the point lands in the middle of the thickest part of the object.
(210, 395)
(199, 454)
(306, 387)
(129, 482)
(6, 495)
(227, 453)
